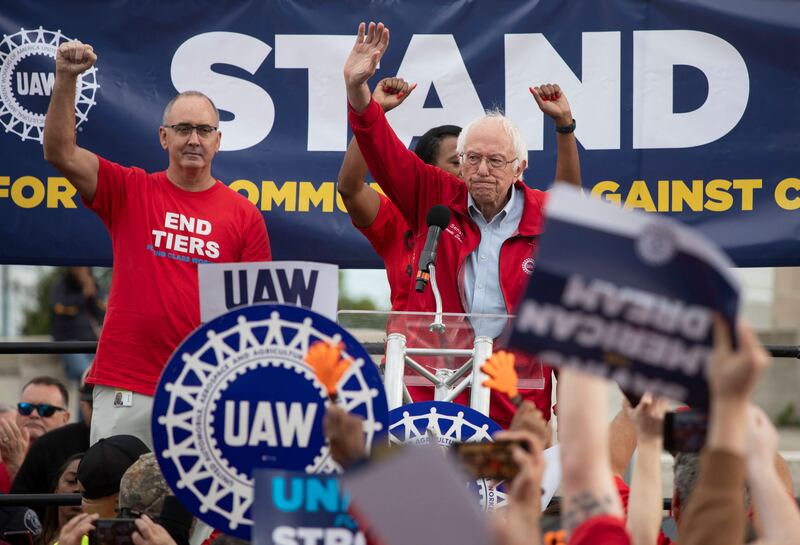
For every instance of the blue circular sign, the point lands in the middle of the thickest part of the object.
(237, 394)
(441, 423)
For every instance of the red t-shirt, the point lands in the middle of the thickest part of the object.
(604, 529)
(159, 233)
(387, 235)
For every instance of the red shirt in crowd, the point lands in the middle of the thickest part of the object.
(159, 234)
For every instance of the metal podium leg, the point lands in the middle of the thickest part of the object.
(394, 370)
(480, 394)
(442, 390)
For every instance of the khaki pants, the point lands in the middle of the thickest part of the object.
(109, 419)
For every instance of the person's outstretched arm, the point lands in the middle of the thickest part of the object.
(362, 202)
(645, 508)
(588, 486)
(715, 512)
(552, 101)
(778, 516)
(61, 150)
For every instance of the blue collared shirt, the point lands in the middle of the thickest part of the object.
(482, 274)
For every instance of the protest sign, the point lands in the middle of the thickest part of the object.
(292, 507)
(224, 286)
(625, 295)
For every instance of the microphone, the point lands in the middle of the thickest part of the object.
(438, 219)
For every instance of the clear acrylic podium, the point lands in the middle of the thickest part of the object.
(442, 350)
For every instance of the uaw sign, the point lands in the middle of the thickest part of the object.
(627, 296)
(442, 424)
(224, 286)
(237, 395)
(293, 508)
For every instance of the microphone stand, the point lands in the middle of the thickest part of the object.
(437, 325)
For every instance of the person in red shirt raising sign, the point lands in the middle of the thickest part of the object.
(162, 226)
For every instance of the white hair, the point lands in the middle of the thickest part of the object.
(520, 148)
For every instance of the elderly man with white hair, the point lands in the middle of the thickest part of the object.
(485, 255)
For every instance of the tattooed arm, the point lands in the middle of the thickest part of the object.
(588, 485)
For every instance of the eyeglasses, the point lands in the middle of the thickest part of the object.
(185, 129)
(45, 410)
(495, 162)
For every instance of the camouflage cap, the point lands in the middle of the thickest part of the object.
(143, 487)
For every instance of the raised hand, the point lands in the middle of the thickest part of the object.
(391, 92)
(149, 533)
(14, 444)
(74, 58)
(363, 61)
(525, 492)
(552, 101)
(648, 416)
(502, 375)
(733, 374)
(345, 434)
(530, 419)
(74, 531)
(762, 438)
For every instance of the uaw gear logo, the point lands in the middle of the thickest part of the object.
(528, 264)
(237, 394)
(440, 423)
(656, 244)
(27, 75)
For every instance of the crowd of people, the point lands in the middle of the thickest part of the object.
(164, 224)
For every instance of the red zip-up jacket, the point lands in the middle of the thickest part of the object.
(414, 186)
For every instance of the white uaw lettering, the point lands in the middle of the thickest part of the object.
(35, 83)
(294, 424)
(263, 430)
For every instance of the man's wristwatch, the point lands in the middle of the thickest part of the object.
(566, 129)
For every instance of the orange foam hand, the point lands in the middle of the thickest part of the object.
(502, 374)
(327, 362)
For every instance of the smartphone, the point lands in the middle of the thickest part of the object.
(488, 460)
(685, 431)
(19, 537)
(112, 532)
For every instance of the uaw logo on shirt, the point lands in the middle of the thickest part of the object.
(237, 395)
(528, 265)
(441, 423)
(27, 75)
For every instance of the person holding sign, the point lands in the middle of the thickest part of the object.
(162, 226)
(485, 254)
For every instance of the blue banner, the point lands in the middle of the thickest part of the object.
(644, 316)
(681, 107)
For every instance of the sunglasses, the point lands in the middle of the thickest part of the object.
(44, 409)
